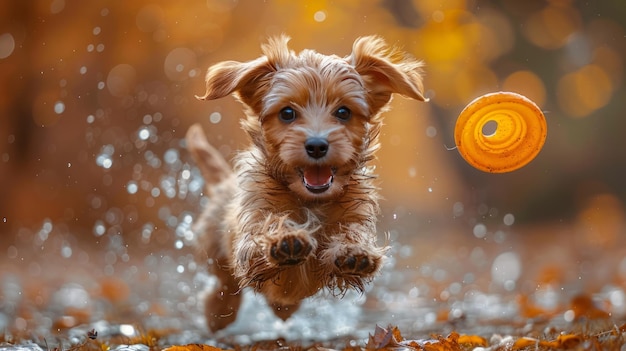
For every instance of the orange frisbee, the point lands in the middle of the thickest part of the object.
(500, 132)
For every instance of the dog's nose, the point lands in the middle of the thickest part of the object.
(316, 147)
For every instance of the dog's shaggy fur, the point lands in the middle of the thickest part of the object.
(297, 213)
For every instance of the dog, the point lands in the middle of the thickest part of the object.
(297, 212)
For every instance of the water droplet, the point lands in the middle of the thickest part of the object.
(131, 187)
(12, 251)
(96, 30)
(458, 209)
(104, 159)
(617, 298)
(57, 6)
(319, 16)
(99, 229)
(144, 133)
(110, 257)
(66, 251)
(20, 324)
(150, 18)
(508, 219)
(7, 45)
(431, 131)
(185, 174)
(127, 330)
(168, 184)
(59, 107)
(215, 117)
(480, 230)
(121, 80)
(72, 295)
(155, 192)
(506, 269)
(171, 156)
(412, 172)
(179, 244)
(178, 63)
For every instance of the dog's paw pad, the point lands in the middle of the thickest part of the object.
(358, 264)
(290, 250)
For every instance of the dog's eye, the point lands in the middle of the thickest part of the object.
(287, 114)
(343, 113)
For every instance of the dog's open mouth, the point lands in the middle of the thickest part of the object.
(317, 179)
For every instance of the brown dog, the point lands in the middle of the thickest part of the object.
(298, 211)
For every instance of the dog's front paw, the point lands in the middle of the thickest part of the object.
(357, 262)
(290, 250)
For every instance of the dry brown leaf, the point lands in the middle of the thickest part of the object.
(384, 339)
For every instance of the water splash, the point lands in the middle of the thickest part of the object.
(104, 159)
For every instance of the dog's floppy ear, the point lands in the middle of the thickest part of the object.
(386, 70)
(247, 80)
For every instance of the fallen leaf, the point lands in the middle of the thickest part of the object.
(473, 340)
(384, 339)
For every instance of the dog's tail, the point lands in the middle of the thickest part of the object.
(209, 160)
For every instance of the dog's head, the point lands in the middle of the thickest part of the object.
(315, 118)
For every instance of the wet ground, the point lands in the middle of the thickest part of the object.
(491, 279)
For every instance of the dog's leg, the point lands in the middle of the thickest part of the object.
(352, 257)
(221, 304)
(289, 245)
(270, 245)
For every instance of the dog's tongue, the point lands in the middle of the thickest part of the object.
(318, 176)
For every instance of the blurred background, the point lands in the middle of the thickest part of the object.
(97, 95)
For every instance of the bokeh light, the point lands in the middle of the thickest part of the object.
(528, 84)
(552, 26)
(584, 91)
